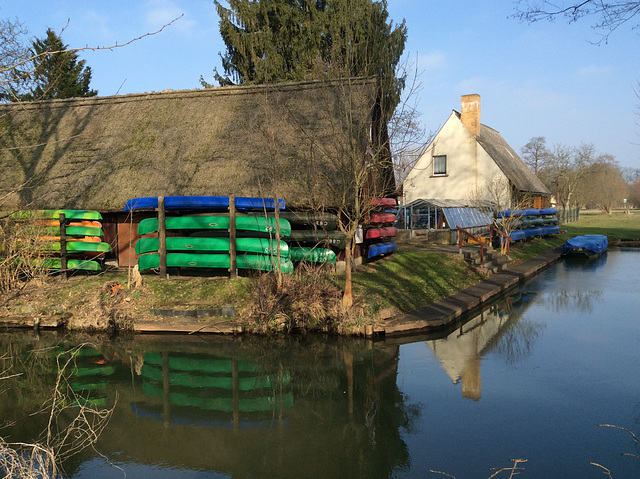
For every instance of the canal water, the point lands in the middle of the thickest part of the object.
(533, 377)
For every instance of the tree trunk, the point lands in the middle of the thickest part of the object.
(347, 298)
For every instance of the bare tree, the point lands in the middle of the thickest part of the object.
(535, 153)
(603, 185)
(609, 14)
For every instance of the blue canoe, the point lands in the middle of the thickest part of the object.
(208, 203)
(586, 245)
(380, 249)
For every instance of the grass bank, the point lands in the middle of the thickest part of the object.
(415, 276)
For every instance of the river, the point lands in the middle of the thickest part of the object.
(530, 378)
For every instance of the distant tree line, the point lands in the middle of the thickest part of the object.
(582, 177)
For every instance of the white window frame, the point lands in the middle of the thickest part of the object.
(434, 165)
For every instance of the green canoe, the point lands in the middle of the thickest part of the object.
(71, 230)
(249, 245)
(313, 255)
(74, 247)
(246, 223)
(194, 260)
(55, 214)
(79, 264)
(333, 238)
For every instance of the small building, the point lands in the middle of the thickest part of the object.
(471, 161)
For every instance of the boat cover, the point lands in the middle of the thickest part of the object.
(595, 243)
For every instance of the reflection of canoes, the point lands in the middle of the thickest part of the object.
(75, 264)
(225, 404)
(586, 245)
(249, 245)
(379, 249)
(211, 203)
(246, 223)
(384, 232)
(336, 239)
(313, 255)
(186, 379)
(383, 218)
(216, 261)
(203, 365)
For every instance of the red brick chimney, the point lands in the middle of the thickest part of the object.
(470, 113)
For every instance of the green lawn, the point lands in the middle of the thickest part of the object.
(619, 225)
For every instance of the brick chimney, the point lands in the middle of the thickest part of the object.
(470, 113)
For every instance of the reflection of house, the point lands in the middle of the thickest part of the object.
(288, 140)
(469, 161)
(460, 353)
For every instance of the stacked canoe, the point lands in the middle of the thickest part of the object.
(83, 232)
(314, 236)
(531, 222)
(380, 233)
(200, 238)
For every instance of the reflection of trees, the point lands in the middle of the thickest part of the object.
(337, 408)
(561, 301)
(516, 343)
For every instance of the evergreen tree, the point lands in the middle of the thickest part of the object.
(272, 41)
(57, 72)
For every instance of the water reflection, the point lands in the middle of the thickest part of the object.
(252, 407)
(501, 329)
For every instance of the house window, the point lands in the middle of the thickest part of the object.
(440, 165)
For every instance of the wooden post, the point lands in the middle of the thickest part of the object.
(232, 237)
(63, 245)
(162, 238)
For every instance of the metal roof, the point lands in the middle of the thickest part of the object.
(465, 217)
(437, 203)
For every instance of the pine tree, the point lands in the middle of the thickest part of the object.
(57, 72)
(271, 41)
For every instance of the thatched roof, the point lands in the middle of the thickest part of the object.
(510, 163)
(289, 140)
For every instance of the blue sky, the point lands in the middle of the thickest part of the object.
(546, 79)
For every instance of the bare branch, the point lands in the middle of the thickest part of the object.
(79, 49)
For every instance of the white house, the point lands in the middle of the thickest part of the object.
(469, 161)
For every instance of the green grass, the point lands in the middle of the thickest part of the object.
(616, 226)
(413, 278)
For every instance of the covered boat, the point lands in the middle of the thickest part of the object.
(586, 245)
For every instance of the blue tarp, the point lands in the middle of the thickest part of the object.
(585, 244)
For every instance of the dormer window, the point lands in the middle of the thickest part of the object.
(440, 165)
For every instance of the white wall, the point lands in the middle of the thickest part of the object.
(469, 167)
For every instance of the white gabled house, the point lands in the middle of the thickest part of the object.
(471, 162)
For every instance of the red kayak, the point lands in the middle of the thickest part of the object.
(384, 232)
(383, 218)
(384, 202)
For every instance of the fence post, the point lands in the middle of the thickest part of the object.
(63, 245)
(162, 238)
(232, 237)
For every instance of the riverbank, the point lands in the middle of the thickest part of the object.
(419, 288)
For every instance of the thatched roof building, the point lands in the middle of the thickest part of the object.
(292, 140)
